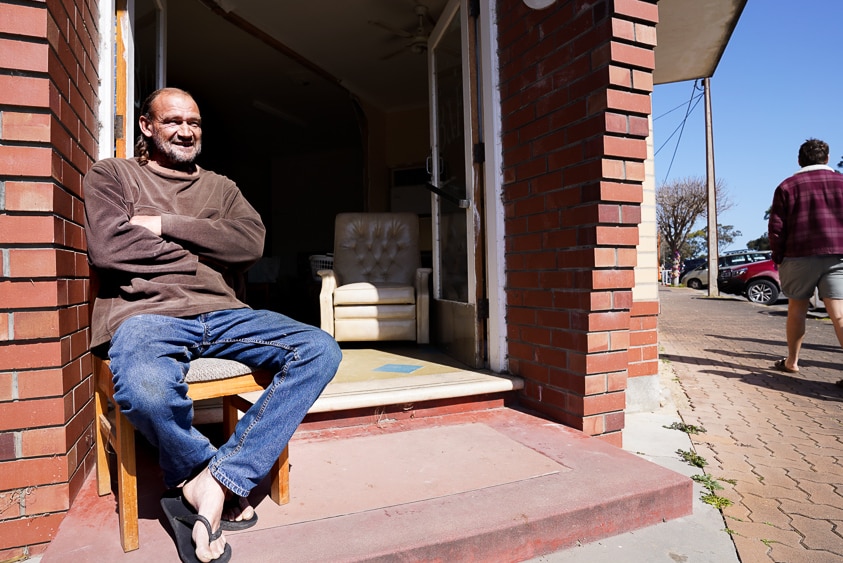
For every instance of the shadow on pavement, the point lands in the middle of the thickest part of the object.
(771, 378)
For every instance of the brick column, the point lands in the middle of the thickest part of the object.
(575, 85)
(47, 142)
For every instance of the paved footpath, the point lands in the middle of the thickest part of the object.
(774, 441)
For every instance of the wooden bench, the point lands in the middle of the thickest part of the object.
(207, 378)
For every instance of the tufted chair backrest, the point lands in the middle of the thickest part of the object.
(376, 247)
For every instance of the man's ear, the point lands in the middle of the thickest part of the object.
(145, 126)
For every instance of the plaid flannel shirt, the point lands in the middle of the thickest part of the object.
(806, 218)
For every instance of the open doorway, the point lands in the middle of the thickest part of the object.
(298, 135)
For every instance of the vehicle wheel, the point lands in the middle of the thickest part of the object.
(694, 283)
(764, 292)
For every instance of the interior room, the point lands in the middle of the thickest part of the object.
(312, 108)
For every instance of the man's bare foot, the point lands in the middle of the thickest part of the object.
(237, 508)
(207, 496)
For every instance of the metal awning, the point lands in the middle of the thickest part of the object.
(692, 36)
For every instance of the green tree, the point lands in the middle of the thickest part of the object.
(698, 240)
(679, 205)
(762, 242)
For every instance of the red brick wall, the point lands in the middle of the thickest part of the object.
(644, 339)
(47, 142)
(575, 85)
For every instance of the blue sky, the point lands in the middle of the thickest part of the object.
(779, 82)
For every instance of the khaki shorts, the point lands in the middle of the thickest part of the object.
(799, 276)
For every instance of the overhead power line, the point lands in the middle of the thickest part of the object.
(692, 103)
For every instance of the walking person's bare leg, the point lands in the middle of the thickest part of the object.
(797, 311)
(834, 308)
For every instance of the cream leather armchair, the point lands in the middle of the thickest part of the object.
(377, 289)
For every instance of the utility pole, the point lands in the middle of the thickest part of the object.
(713, 254)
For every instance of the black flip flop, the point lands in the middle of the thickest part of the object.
(237, 525)
(779, 365)
(182, 517)
(225, 525)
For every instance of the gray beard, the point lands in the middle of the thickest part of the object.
(176, 156)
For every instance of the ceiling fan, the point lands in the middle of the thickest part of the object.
(416, 39)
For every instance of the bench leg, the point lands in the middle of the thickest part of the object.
(280, 485)
(127, 483)
(102, 430)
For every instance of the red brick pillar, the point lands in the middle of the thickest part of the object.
(644, 339)
(575, 85)
(48, 59)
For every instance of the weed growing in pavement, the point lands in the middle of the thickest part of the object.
(769, 542)
(711, 497)
(692, 458)
(687, 428)
(717, 502)
(730, 481)
(708, 482)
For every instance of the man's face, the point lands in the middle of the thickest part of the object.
(175, 129)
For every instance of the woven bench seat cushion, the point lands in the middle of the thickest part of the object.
(214, 369)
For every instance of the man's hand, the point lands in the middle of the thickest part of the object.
(151, 222)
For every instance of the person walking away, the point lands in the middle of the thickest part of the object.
(167, 239)
(806, 238)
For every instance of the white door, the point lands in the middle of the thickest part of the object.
(458, 286)
(139, 66)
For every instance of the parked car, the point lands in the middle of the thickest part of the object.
(698, 277)
(758, 281)
(691, 264)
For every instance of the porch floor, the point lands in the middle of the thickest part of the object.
(483, 482)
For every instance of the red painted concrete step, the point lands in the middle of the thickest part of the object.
(492, 485)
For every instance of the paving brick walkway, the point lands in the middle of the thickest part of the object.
(778, 436)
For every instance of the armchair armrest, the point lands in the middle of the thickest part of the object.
(326, 300)
(423, 305)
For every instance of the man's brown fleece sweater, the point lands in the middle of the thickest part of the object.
(209, 234)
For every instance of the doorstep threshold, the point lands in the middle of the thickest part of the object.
(346, 395)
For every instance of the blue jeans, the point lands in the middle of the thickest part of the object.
(150, 356)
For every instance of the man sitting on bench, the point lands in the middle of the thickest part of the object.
(167, 238)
